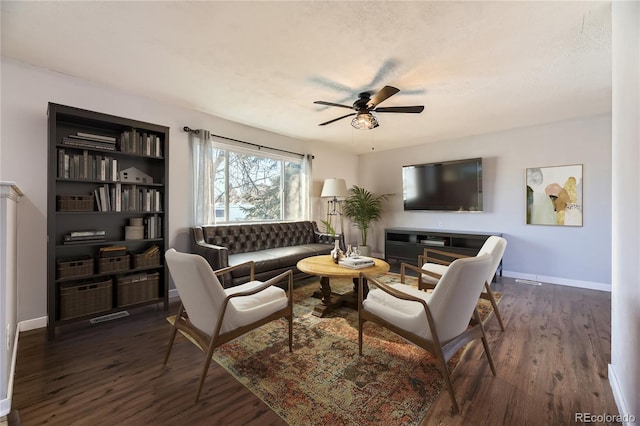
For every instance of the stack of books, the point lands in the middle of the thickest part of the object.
(358, 262)
(151, 251)
(78, 237)
(90, 140)
(113, 251)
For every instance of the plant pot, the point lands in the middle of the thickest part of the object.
(364, 250)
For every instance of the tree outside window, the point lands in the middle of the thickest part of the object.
(250, 187)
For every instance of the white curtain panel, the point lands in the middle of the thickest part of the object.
(204, 169)
(306, 178)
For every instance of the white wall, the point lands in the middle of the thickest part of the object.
(565, 255)
(624, 371)
(25, 94)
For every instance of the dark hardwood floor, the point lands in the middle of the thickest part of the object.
(551, 363)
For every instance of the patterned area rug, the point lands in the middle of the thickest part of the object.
(324, 381)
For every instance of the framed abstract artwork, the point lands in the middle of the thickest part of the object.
(554, 195)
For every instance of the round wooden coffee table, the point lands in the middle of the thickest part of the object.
(324, 267)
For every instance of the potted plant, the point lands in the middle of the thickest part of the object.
(329, 229)
(363, 207)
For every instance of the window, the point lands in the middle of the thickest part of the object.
(247, 185)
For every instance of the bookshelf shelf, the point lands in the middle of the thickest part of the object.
(107, 274)
(110, 243)
(111, 213)
(87, 206)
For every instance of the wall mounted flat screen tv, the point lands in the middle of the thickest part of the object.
(444, 186)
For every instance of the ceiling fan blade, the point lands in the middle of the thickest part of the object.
(407, 109)
(385, 93)
(336, 119)
(332, 104)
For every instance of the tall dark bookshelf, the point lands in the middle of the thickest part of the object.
(88, 153)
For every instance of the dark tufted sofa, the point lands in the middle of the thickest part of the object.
(274, 247)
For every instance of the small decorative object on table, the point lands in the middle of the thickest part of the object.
(336, 253)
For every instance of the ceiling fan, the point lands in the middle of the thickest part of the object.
(365, 105)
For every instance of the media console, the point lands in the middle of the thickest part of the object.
(405, 244)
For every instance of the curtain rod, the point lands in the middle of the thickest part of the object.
(196, 131)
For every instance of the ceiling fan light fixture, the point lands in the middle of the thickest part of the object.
(364, 121)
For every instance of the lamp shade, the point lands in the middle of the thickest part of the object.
(334, 188)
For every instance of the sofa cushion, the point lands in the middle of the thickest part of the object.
(276, 258)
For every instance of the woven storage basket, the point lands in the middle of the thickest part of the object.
(80, 299)
(75, 203)
(113, 264)
(141, 261)
(134, 232)
(71, 267)
(137, 288)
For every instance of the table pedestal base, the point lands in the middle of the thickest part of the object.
(332, 301)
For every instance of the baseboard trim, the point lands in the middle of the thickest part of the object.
(626, 418)
(32, 324)
(560, 281)
(41, 322)
(173, 293)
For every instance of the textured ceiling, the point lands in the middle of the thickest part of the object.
(477, 66)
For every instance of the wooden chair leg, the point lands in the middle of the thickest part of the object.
(172, 338)
(291, 333)
(492, 299)
(205, 370)
(360, 324)
(447, 380)
(487, 352)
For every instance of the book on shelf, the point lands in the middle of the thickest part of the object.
(118, 197)
(103, 191)
(69, 237)
(72, 242)
(151, 251)
(113, 251)
(84, 143)
(79, 237)
(96, 196)
(86, 233)
(110, 139)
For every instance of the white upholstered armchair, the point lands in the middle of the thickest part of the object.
(440, 322)
(436, 261)
(212, 315)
